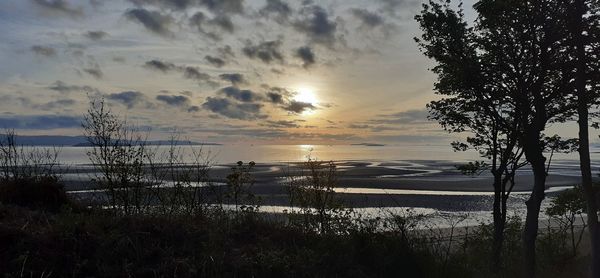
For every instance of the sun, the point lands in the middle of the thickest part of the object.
(306, 95)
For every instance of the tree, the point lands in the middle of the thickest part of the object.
(119, 153)
(583, 18)
(473, 102)
(503, 76)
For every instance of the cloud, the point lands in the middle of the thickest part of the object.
(95, 35)
(154, 21)
(281, 124)
(215, 61)
(59, 6)
(119, 59)
(297, 107)
(317, 26)
(95, 72)
(159, 65)
(63, 87)
(307, 56)
(127, 98)
(367, 18)
(43, 50)
(241, 95)
(224, 6)
(224, 22)
(392, 6)
(170, 4)
(267, 51)
(234, 110)
(405, 117)
(182, 102)
(407, 138)
(189, 72)
(195, 74)
(40, 122)
(60, 104)
(280, 9)
(234, 78)
(11, 101)
(277, 95)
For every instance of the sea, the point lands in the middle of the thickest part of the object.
(228, 154)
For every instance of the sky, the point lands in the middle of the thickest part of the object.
(230, 71)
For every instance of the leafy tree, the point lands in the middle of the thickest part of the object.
(583, 67)
(567, 208)
(473, 102)
(504, 81)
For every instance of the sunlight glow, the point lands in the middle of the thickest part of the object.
(306, 95)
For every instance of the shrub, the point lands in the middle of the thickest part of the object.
(44, 193)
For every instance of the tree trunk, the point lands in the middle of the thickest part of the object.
(584, 148)
(537, 160)
(498, 223)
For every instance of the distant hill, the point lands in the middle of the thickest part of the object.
(368, 144)
(81, 141)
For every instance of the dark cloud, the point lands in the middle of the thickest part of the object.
(169, 4)
(224, 22)
(234, 78)
(189, 72)
(267, 51)
(215, 61)
(60, 6)
(367, 18)
(280, 9)
(281, 124)
(197, 20)
(307, 56)
(226, 51)
(232, 109)
(317, 25)
(153, 20)
(159, 65)
(195, 74)
(177, 101)
(206, 26)
(95, 35)
(43, 122)
(224, 6)
(43, 50)
(182, 102)
(241, 95)
(63, 87)
(297, 107)
(277, 95)
(128, 98)
(61, 104)
(95, 72)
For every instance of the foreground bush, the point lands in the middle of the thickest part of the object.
(44, 193)
(240, 244)
(220, 245)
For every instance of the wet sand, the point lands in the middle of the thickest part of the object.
(417, 183)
